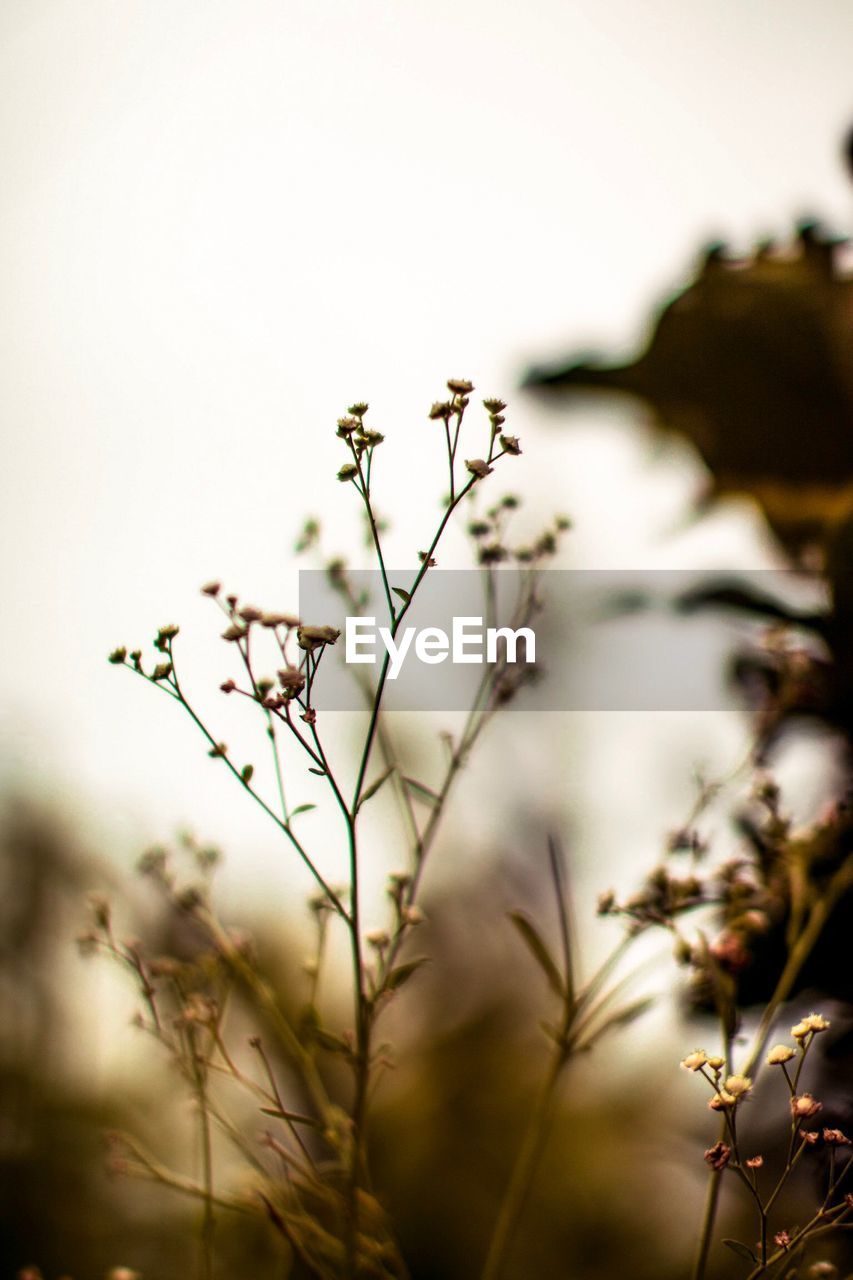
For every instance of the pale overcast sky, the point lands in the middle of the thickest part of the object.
(223, 221)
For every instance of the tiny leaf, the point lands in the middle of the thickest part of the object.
(741, 1250)
(422, 791)
(374, 786)
(294, 1116)
(402, 973)
(302, 808)
(321, 773)
(621, 1018)
(404, 595)
(330, 1042)
(536, 945)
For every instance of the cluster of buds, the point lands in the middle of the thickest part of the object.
(443, 410)
(489, 534)
(359, 438)
(728, 1091)
(720, 1154)
(687, 840)
(311, 639)
(495, 410)
(803, 1032)
(198, 1010)
(460, 390)
(406, 913)
(662, 898)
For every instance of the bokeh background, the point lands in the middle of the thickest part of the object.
(221, 223)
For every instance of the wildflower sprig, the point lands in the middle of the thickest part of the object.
(328, 1207)
(729, 1091)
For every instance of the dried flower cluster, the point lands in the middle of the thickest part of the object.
(311, 1174)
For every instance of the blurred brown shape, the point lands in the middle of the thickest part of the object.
(753, 363)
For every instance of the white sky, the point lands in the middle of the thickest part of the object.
(221, 222)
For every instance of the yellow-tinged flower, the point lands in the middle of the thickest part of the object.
(813, 1024)
(778, 1054)
(695, 1060)
(738, 1086)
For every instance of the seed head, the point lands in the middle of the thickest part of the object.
(347, 472)
(460, 386)
(164, 635)
(372, 438)
(778, 1054)
(211, 589)
(695, 1060)
(311, 637)
(440, 409)
(494, 406)
(279, 620)
(118, 656)
(292, 680)
(478, 467)
(359, 409)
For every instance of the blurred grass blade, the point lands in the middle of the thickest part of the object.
(536, 945)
